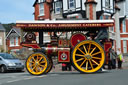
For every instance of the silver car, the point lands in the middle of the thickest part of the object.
(9, 62)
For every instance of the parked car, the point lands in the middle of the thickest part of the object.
(9, 62)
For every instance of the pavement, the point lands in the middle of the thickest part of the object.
(125, 63)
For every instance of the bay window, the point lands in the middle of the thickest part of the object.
(41, 9)
(17, 41)
(124, 26)
(57, 7)
(71, 4)
(11, 41)
(124, 46)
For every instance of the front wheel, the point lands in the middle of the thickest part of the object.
(88, 56)
(37, 63)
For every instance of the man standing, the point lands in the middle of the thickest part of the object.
(112, 59)
(120, 58)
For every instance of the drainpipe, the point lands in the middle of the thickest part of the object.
(117, 28)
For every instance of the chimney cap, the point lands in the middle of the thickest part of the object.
(90, 2)
(117, 8)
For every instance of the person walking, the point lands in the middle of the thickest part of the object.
(112, 59)
(120, 58)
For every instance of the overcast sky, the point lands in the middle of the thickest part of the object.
(13, 10)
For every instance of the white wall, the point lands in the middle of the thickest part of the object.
(98, 7)
(126, 7)
(65, 5)
(83, 5)
(121, 5)
(108, 9)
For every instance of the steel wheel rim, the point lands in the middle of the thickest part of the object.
(50, 65)
(36, 64)
(88, 56)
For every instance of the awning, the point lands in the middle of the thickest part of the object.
(63, 25)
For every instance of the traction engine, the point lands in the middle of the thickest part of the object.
(84, 50)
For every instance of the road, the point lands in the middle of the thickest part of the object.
(113, 77)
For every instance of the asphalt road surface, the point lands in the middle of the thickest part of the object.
(113, 77)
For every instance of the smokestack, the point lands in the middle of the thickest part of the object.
(90, 6)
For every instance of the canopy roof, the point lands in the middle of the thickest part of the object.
(63, 25)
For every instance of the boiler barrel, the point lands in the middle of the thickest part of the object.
(53, 49)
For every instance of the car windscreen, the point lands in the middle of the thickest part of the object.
(7, 56)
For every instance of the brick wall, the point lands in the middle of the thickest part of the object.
(46, 12)
(13, 47)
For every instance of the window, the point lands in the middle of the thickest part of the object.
(125, 46)
(57, 7)
(106, 17)
(17, 41)
(101, 17)
(41, 9)
(0, 40)
(112, 29)
(124, 26)
(41, 1)
(71, 4)
(107, 3)
(12, 41)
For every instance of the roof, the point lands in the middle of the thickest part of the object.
(16, 30)
(117, 8)
(63, 25)
(35, 3)
(2, 27)
(66, 21)
(119, 0)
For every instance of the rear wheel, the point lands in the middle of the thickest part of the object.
(3, 69)
(88, 56)
(37, 63)
(50, 65)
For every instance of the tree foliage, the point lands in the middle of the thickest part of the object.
(9, 26)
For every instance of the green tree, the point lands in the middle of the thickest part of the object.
(9, 26)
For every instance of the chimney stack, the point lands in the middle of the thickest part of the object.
(90, 6)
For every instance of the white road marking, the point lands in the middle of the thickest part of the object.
(28, 78)
(15, 78)
(54, 74)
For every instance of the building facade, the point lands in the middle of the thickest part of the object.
(13, 40)
(123, 24)
(2, 38)
(76, 9)
(70, 9)
(73, 9)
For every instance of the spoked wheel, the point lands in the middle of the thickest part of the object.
(88, 56)
(37, 64)
(50, 65)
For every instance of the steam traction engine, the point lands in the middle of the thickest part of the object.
(84, 49)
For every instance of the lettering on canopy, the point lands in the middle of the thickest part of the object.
(48, 25)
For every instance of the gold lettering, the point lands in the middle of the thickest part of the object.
(69, 25)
